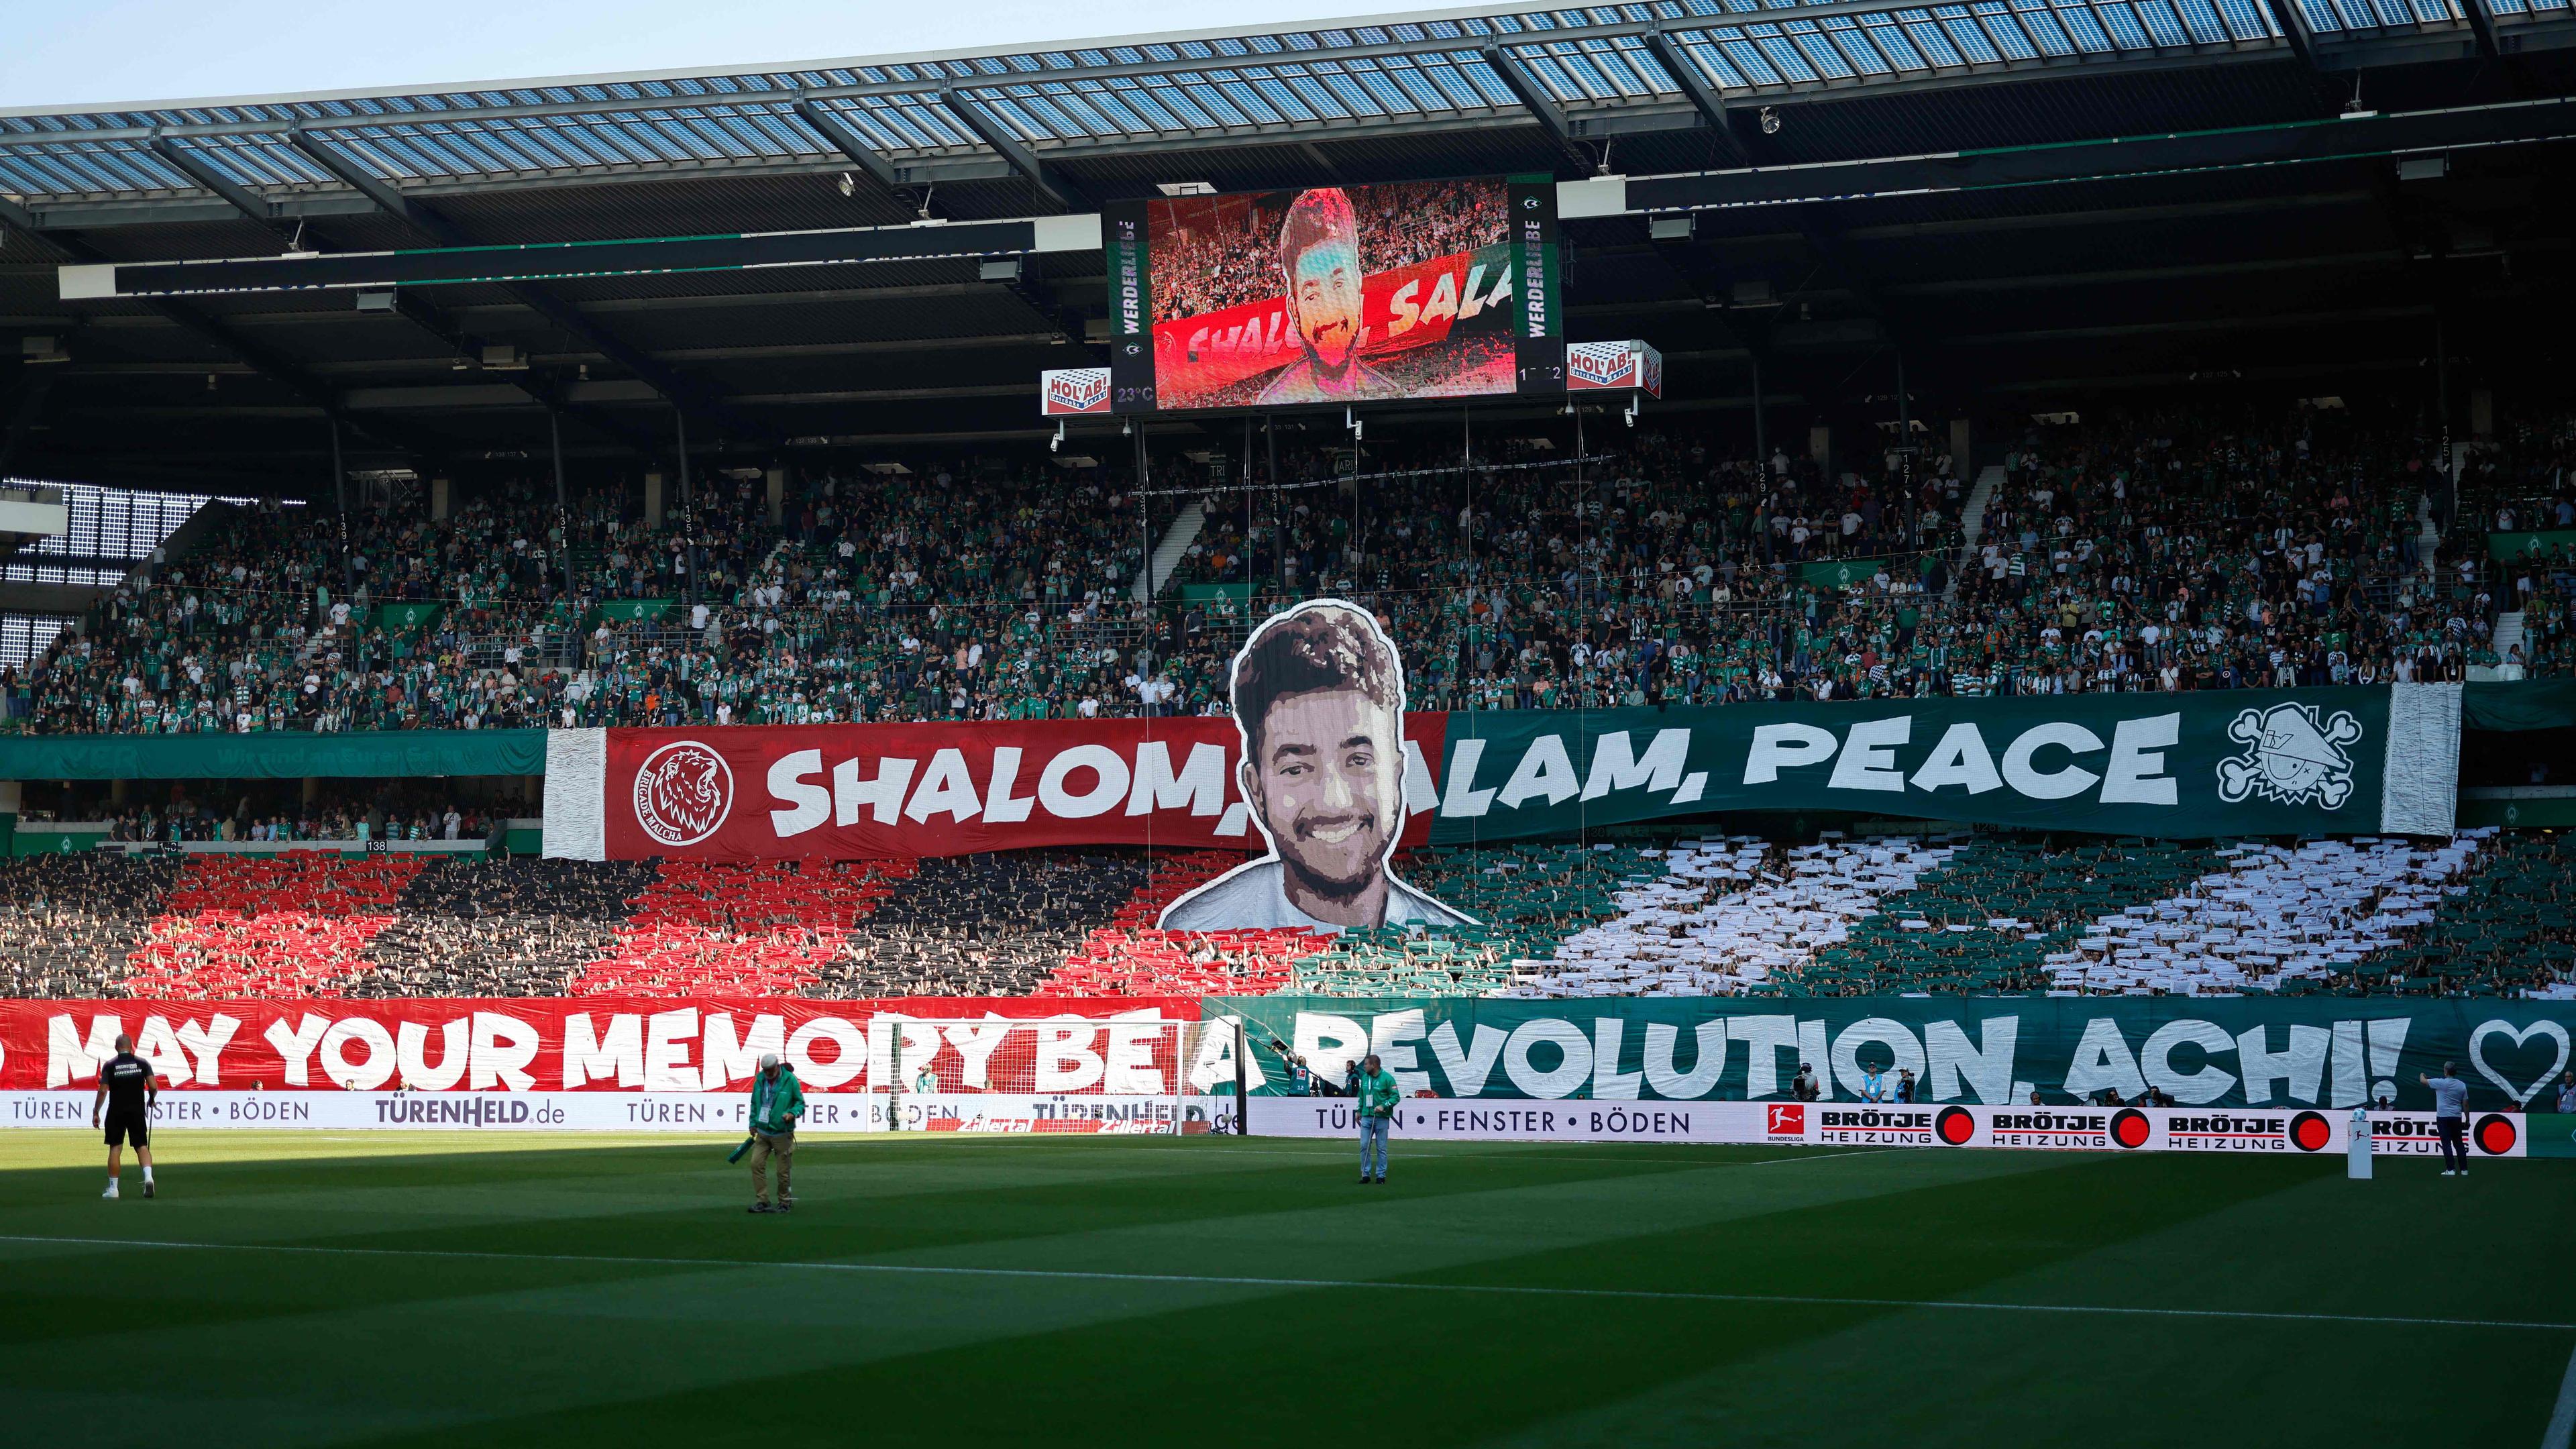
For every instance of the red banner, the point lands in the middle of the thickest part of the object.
(1404, 308)
(590, 1043)
(901, 790)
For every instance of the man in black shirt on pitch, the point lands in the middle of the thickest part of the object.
(127, 1087)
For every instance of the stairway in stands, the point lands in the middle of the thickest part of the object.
(2508, 636)
(1972, 522)
(1167, 554)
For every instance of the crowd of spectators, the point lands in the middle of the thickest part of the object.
(2154, 552)
(338, 810)
(2517, 484)
(1975, 912)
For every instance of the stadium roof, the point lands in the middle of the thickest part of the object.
(2220, 256)
(1383, 75)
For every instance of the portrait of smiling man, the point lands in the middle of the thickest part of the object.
(1319, 263)
(1319, 696)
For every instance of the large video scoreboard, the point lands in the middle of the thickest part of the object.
(1345, 294)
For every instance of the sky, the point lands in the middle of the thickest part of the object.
(74, 53)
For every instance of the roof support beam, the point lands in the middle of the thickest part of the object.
(2294, 29)
(1541, 106)
(224, 339)
(1050, 183)
(431, 318)
(676, 389)
(836, 133)
(1704, 98)
(201, 171)
(2288, 144)
(2481, 18)
(17, 218)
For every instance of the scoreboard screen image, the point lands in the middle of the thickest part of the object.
(1338, 294)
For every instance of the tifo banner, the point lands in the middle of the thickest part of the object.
(605, 1044)
(1994, 1051)
(846, 791)
(827, 1113)
(2293, 1132)
(2348, 761)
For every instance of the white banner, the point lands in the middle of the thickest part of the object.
(1840, 1124)
(723, 1113)
(1078, 1114)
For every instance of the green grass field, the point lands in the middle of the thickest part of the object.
(297, 1289)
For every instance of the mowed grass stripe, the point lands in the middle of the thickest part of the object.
(1103, 1275)
(674, 1202)
(1458, 1364)
(517, 1333)
(725, 1347)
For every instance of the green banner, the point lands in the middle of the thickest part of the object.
(2545, 543)
(2343, 761)
(406, 617)
(2526, 704)
(2553, 1134)
(46, 840)
(280, 756)
(634, 611)
(1845, 573)
(1210, 593)
(1992, 1050)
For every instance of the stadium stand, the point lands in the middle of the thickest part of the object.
(492, 928)
(704, 928)
(71, 921)
(1976, 912)
(289, 926)
(990, 925)
(2194, 549)
(1131, 956)
(1732, 916)
(1987, 920)
(1525, 899)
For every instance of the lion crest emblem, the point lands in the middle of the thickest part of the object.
(2291, 756)
(683, 793)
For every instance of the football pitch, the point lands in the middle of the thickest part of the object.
(296, 1289)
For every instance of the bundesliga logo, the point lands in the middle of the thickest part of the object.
(683, 792)
(1786, 1120)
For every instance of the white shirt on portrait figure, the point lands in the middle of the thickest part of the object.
(1254, 897)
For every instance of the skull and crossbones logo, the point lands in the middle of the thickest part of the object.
(2291, 756)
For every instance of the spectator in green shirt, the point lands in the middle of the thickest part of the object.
(1375, 1104)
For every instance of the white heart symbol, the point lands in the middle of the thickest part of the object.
(2478, 1058)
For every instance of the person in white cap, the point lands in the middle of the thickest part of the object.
(776, 1102)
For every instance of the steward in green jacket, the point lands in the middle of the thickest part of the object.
(776, 1102)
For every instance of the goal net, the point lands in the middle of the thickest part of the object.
(1065, 1074)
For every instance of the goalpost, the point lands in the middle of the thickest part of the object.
(1136, 1074)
